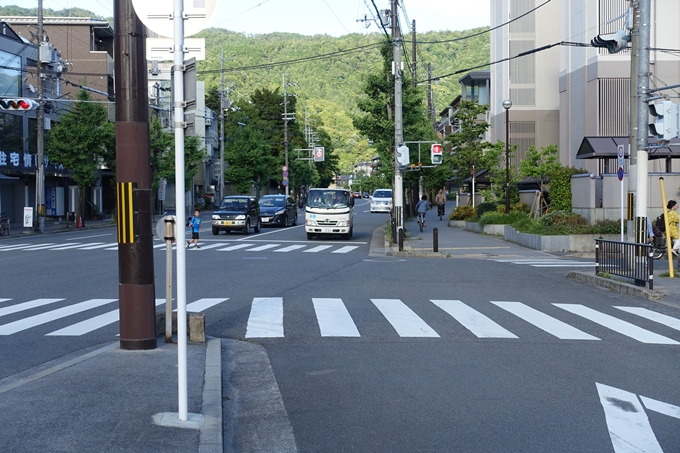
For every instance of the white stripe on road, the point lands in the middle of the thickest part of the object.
(544, 322)
(263, 247)
(11, 247)
(92, 324)
(266, 318)
(317, 248)
(617, 325)
(403, 319)
(202, 246)
(203, 304)
(4, 300)
(93, 247)
(290, 248)
(40, 246)
(661, 407)
(33, 321)
(563, 265)
(673, 323)
(26, 306)
(474, 321)
(346, 249)
(628, 425)
(73, 246)
(235, 247)
(333, 318)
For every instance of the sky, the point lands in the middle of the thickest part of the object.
(310, 17)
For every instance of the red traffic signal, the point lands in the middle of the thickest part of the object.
(18, 104)
(436, 154)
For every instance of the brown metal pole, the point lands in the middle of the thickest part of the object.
(136, 287)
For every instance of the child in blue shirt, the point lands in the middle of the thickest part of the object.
(194, 228)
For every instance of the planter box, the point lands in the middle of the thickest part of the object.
(570, 243)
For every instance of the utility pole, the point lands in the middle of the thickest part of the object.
(40, 130)
(430, 101)
(222, 113)
(398, 125)
(136, 288)
(643, 123)
(413, 53)
(285, 127)
(633, 115)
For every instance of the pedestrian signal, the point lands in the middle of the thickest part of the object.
(436, 151)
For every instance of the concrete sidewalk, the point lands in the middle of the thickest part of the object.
(457, 243)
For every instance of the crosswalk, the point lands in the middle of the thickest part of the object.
(268, 318)
(546, 262)
(252, 246)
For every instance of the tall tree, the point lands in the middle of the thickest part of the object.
(82, 141)
(540, 165)
(249, 160)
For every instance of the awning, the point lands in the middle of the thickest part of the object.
(8, 179)
(605, 148)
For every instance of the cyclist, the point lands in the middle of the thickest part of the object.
(440, 200)
(421, 208)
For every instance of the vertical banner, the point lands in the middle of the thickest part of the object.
(28, 217)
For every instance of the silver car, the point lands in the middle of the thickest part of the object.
(381, 201)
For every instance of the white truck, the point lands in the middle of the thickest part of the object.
(329, 212)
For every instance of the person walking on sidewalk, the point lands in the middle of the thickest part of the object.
(673, 220)
(440, 200)
(194, 225)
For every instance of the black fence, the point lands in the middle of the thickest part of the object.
(625, 259)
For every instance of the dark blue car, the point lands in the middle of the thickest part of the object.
(278, 210)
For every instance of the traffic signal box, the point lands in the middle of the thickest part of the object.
(665, 125)
(436, 154)
(18, 104)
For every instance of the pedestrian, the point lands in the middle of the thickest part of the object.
(421, 207)
(194, 225)
(440, 200)
(673, 219)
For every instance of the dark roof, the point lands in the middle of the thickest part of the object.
(605, 147)
(8, 179)
(477, 75)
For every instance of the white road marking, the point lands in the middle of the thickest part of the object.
(73, 246)
(318, 248)
(333, 318)
(266, 318)
(673, 323)
(290, 248)
(628, 425)
(203, 246)
(90, 237)
(617, 325)
(403, 319)
(203, 304)
(89, 325)
(39, 246)
(263, 247)
(234, 247)
(4, 300)
(27, 306)
(33, 321)
(661, 407)
(11, 247)
(346, 249)
(474, 321)
(93, 247)
(544, 322)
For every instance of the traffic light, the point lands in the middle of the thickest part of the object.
(18, 104)
(665, 125)
(403, 155)
(613, 42)
(436, 151)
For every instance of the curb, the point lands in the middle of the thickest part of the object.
(613, 285)
(210, 439)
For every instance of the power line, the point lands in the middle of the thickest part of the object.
(380, 20)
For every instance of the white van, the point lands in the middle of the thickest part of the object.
(329, 212)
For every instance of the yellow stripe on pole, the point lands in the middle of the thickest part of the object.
(126, 213)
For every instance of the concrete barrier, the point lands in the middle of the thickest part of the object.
(195, 325)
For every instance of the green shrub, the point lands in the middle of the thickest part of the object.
(485, 207)
(559, 219)
(560, 188)
(463, 213)
(500, 218)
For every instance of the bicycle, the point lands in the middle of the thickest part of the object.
(4, 225)
(421, 220)
(440, 211)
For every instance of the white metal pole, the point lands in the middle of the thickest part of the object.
(178, 96)
(168, 282)
(622, 210)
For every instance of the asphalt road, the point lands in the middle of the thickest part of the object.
(384, 354)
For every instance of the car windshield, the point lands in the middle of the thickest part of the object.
(234, 204)
(327, 199)
(382, 194)
(269, 202)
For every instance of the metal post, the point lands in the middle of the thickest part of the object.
(398, 121)
(643, 122)
(168, 277)
(40, 132)
(435, 240)
(178, 97)
(285, 129)
(222, 113)
(633, 114)
(401, 239)
(506, 105)
(136, 290)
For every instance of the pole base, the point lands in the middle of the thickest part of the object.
(171, 419)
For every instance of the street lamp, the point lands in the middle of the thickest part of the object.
(506, 105)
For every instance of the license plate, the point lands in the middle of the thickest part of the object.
(265, 219)
(328, 230)
(226, 222)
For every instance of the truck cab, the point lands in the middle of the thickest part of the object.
(329, 212)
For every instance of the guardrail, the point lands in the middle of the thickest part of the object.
(625, 259)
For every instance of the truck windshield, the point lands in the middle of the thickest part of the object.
(327, 199)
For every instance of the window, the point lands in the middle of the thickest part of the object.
(526, 24)
(10, 74)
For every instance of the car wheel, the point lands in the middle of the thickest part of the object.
(295, 219)
(215, 231)
(246, 229)
(309, 236)
(258, 226)
(348, 235)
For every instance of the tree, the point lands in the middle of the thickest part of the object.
(249, 160)
(540, 165)
(193, 157)
(82, 141)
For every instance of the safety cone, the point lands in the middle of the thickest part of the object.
(80, 221)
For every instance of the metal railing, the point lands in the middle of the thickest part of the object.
(625, 259)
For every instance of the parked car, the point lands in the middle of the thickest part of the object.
(365, 195)
(278, 210)
(237, 212)
(381, 201)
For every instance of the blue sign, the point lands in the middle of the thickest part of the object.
(285, 174)
(620, 174)
(285, 182)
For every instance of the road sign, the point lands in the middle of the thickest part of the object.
(285, 182)
(285, 174)
(620, 173)
(284, 168)
(161, 228)
(319, 154)
(157, 16)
